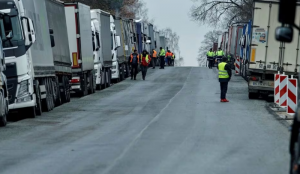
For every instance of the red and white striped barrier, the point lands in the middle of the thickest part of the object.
(237, 65)
(283, 90)
(292, 96)
(276, 88)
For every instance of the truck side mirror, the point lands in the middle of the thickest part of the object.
(51, 31)
(287, 11)
(118, 42)
(52, 41)
(284, 34)
(29, 31)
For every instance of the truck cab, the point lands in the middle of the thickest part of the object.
(116, 43)
(97, 55)
(18, 35)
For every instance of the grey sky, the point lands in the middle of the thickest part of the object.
(168, 13)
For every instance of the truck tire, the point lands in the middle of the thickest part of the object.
(3, 112)
(65, 92)
(48, 103)
(38, 107)
(103, 86)
(108, 78)
(84, 88)
(252, 95)
(58, 100)
(122, 72)
(29, 112)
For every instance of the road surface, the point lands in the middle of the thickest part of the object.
(172, 123)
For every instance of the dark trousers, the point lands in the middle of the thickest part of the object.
(154, 60)
(172, 62)
(134, 70)
(144, 71)
(210, 63)
(162, 62)
(224, 86)
(169, 61)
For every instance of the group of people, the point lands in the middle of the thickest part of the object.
(145, 59)
(214, 57)
(224, 68)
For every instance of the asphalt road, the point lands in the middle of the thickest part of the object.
(172, 123)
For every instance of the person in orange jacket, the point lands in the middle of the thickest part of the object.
(154, 58)
(145, 61)
(169, 56)
(134, 61)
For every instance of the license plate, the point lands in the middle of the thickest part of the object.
(263, 84)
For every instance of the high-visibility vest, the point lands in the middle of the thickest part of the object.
(220, 53)
(154, 54)
(147, 58)
(168, 54)
(210, 54)
(229, 57)
(162, 52)
(173, 57)
(223, 74)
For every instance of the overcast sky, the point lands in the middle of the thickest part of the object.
(168, 13)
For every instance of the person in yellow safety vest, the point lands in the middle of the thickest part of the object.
(173, 58)
(162, 55)
(210, 58)
(219, 55)
(145, 60)
(224, 78)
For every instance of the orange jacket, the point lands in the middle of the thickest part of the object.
(138, 58)
(154, 54)
(168, 54)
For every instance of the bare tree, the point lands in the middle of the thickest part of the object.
(209, 39)
(214, 12)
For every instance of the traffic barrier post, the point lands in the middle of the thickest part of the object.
(276, 88)
(283, 90)
(292, 96)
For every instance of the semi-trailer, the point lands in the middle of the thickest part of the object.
(60, 50)
(78, 19)
(268, 56)
(121, 62)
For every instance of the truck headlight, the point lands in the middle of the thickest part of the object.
(114, 67)
(24, 88)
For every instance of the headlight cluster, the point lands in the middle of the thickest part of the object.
(114, 67)
(23, 93)
(24, 88)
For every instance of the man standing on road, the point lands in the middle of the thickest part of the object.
(134, 61)
(224, 78)
(145, 60)
(169, 56)
(162, 55)
(210, 58)
(173, 59)
(154, 58)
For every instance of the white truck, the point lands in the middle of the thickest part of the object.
(30, 68)
(3, 82)
(78, 19)
(122, 47)
(116, 43)
(269, 56)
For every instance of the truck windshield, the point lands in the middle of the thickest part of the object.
(10, 30)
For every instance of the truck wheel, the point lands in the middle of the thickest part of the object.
(84, 91)
(90, 77)
(253, 95)
(38, 98)
(104, 79)
(58, 100)
(3, 103)
(29, 112)
(65, 94)
(51, 97)
(67, 88)
(109, 78)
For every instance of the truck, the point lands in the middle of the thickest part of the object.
(78, 19)
(3, 81)
(139, 36)
(269, 56)
(245, 49)
(119, 73)
(30, 68)
(60, 50)
(116, 43)
(101, 21)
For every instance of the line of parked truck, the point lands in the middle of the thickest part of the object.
(261, 55)
(50, 49)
